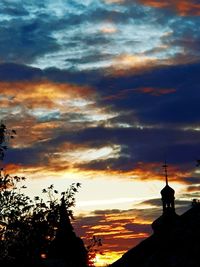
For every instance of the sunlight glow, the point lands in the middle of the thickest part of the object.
(103, 260)
(83, 155)
(107, 201)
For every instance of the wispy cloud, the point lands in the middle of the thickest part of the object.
(71, 35)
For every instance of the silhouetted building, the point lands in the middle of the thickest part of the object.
(169, 217)
(167, 194)
(175, 241)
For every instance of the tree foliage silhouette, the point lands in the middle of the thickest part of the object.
(93, 248)
(28, 227)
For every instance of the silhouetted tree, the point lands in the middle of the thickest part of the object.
(66, 246)
(92, 249)
(29, 228)
(5, 135)
(32, 230)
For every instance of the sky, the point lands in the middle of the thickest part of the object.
(102, 93)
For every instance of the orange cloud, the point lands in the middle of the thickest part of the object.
(153, 171)
(12, 168)
(126, 61)
(113, 1)
(130, 64)
(193, 188)
(155, 3)
(54, 166)
(42, 93)
(182, 7)
(156, 91)
(145, 90)
(119, 231)
(37, 109)
(126, 65)
(143, 171)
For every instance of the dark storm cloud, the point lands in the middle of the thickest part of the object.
(33, 156)
(15, 72)
(182, 106)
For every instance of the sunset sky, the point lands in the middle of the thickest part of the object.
(102, 92)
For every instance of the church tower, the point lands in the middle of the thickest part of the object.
(167, 194)
(169, 217)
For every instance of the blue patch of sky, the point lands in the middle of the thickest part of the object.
(45, 114)
(12, 111)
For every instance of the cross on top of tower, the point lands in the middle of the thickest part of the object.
(165, 166)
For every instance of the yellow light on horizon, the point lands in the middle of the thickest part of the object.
(103, 260)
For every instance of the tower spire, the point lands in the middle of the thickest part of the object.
(167, 193)
(169, 216)
(165, 166)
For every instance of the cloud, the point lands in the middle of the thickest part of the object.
(192, 180)
(118, 230)
(132, 63)
(146, 90)
(52, 36)
(41, 104)
(183, 8)
(88, 112)
(193, 188)
(43, 96)
(108, 29)
(155, 91)
(157, 202)
(30, 41)
(170, 107)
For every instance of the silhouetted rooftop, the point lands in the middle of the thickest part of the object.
(176, 244)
